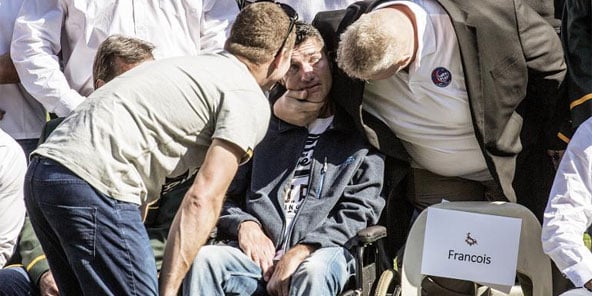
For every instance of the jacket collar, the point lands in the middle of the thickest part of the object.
(466, 28)
(341, 122)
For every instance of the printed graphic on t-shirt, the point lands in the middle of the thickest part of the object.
(299, 183)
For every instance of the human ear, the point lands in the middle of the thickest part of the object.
(99, 83)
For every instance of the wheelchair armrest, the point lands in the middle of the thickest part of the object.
(371, 234)
(351, 293)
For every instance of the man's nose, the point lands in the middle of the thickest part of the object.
(307, 72)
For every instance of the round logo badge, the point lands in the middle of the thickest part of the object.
(441, 77)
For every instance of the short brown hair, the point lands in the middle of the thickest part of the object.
(127, 49)
(258, 32)
(306, 31)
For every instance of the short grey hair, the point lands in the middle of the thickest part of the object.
(367, 47)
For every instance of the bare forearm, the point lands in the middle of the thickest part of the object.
(7, 71)
(189, 231)
(198, 213)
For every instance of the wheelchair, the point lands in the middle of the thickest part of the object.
(374, 275)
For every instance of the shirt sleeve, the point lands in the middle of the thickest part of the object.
(12, 205)
(33, 258)
(243, 119)
(577, 40)
(216, 22)
(35, 46)
(569, 210)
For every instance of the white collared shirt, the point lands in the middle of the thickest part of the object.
(569, 209)
(428, 107)
(24, 116)
(12, 203)
(77, 27)
(307, 9)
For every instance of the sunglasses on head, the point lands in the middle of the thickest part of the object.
(290, 12)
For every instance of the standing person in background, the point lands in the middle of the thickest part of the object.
(51, 33)
(576, 35)
(21, 116)
(307, 8)
(158, 120)
(562, 239)
(569, 213)
(13, 166)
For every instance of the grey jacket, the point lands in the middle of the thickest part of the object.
(344, 193)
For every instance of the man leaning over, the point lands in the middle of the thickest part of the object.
(158, 120)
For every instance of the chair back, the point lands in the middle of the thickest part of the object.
(532, 261)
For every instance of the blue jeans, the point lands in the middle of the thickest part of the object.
(14, 281)
(95, 245)
(226, 270)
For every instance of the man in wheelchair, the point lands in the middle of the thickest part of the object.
(292, 210)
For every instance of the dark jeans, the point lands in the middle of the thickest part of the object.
(14, 281)
(28, 146)
(95, 245)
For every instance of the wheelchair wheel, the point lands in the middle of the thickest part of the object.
(383, 287)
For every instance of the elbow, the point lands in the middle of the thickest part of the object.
(197, 202)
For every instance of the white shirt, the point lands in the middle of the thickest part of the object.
(307, 9)
(428, 107)
(24, 116)
(569, 209)
(12, 205)
(77, 27)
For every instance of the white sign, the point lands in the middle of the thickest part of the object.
(476, 247)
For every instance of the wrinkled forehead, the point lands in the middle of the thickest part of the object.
(307, 48)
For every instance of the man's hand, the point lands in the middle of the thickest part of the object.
(47, 285)
(256, 245)
(279, 283)
(294, 108)
(7, 71)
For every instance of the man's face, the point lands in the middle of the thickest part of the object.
(310, 71)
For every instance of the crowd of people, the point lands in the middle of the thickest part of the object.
(235, 147)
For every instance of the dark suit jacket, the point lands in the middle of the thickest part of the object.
(576, 34)
(506, 49)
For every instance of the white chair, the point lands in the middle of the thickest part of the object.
(532, 262)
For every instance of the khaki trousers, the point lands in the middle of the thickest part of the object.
(426, 189)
